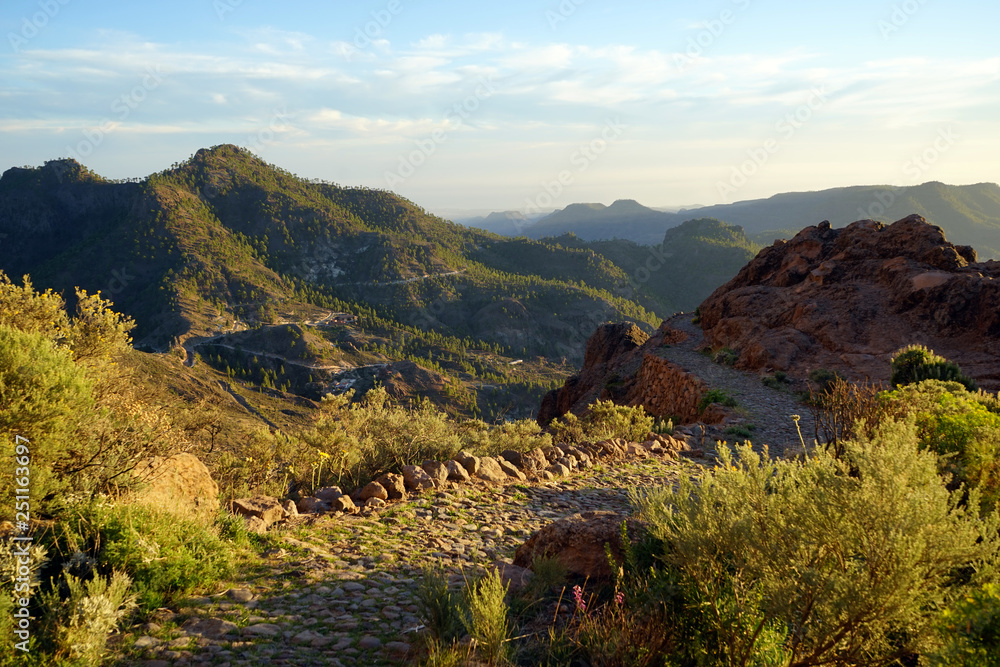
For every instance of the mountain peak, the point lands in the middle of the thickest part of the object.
(630, 206)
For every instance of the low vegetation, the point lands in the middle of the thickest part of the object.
(787, 563)
(880, 547)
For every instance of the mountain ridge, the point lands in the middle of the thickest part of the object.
(969, 214)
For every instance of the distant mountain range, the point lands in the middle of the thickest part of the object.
(969, 214)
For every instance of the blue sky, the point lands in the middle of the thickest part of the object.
(514, 104)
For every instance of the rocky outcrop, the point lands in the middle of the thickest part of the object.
(622, 364)
(846, 299)
(578, 542)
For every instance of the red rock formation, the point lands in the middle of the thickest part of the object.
(621, 364)
(578, 542)
(846, 299)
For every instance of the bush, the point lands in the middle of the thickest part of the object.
(355, 442)
(76, 625)
(803, 563)
(486, 617)
(439, 607)
(960, 425)
(716, 396)
(972, 628)
(603, 420)
(916, 363)
(823, 378)
(43, 394)
(726, 356)
(849, 410)
(167, 556)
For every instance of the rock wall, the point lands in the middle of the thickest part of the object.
(666, 390)
(621, 365)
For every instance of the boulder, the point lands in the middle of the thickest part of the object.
(578, 542)
(312, 504)
(328, 493)
(395, 486)
(179, 483)
(636, 450)
(513, 457)
(614, 352)
(437, 471)
(265, 508)
(489, 469)
(290, 508)
(374, 490)
(456, 472)
(416, 479)
(255, 524)
(509, 469)
(469, 462)
(343, 504)
(558, 470)
(534, 460)
(552, 454)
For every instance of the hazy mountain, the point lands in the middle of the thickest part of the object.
(505, 223)
(624, 219)
(969, 214)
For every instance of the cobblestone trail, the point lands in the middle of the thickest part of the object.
(341, 591)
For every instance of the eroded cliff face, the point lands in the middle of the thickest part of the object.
(846, 299)
(621, 364)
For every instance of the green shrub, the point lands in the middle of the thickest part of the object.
(166, 556)
(603, 420)
(916, 363)
(486, 617)
(959, 424)
(358, 441)
(778, 381)
(439, 607)
(43, 395)
(726, 356)
(823, 378)
(825, 561)
(37, 558)
(716, 396)
(972, 630)
(742, 431)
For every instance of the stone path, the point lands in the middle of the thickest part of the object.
(341, 590)
(769, 410)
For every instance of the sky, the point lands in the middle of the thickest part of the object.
(514, 105)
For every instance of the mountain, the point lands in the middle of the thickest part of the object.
(624, 219)
(226, 233)
(969, 214)
(223, 243)
(505, 223)
(679, 272)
